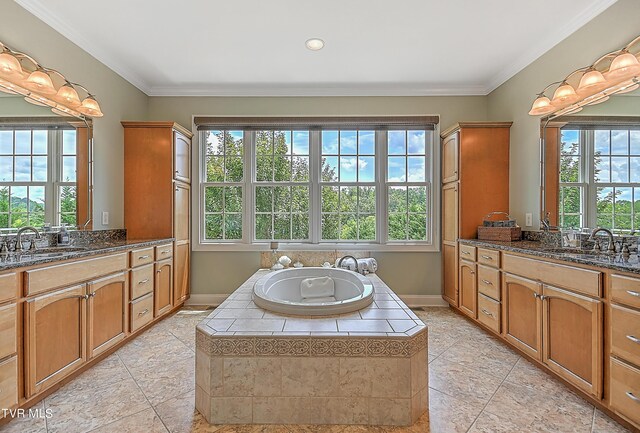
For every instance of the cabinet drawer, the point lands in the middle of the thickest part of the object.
(141, 280)
(140, 257)
(625, 290)
(489, 312)
(68, 274)
(164, 251)
(8, 286)
(489, 282)
(467, 252)
(489, 257)
(576, 279)
(625, 334)
(7, 330)
(141, 312)
(8, 384)
(625, 390)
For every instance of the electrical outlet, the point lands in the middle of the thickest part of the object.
(105, 218)
(528, 220)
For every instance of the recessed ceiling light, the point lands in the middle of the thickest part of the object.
(314, 44)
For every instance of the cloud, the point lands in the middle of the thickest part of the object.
(348, 164)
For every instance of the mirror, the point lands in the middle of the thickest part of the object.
(590, 166)
(45, 167)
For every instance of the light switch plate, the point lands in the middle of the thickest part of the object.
(528, 220)
(105, 218)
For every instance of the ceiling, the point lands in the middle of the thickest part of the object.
(373, 47)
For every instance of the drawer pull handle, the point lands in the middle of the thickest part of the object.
(633, 293)
(145, 281)
(142, 313)
(632, 397)
(472, 272)
(487, 282)
(487, 257)
(634, 339)
(486, 312)
(466, 252)
(165, 252)
(146, 256)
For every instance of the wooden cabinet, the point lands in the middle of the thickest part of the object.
(475, 177)
(572, 337)
(8, 329)
(141, 312)
(468, 289)
(522, 314)
(625, 390)
(141, 280)
(157, 191)
(625, 333)
(163, 290)
(55, 336)
(489, 313)
(107, 313)
(8, 384)
(450, 274)
(8, 286)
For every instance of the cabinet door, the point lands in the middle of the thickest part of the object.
(181, 281)
(55, 337)
(450, 213)
(181, 157)
(181, 211)
(522, 314)
(107, 309)
(450, 274)
(572, 338)
(450, 146)
(468, 289)
(163, 287)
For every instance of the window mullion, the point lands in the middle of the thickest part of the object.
(315, 173)
(248, 191)
(382, 202)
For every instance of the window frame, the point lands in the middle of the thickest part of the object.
(381, 243)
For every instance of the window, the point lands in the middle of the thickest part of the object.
(316, 184)
(600, 178)
(36, 187)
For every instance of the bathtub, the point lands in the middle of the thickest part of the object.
(280, 292)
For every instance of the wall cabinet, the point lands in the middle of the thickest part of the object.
(468, 289)
(107, 312)
(572, 337)
(55, 338)
(475, 177)
(158, 192)
(522, 314)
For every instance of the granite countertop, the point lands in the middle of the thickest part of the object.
(535, 248)
(58, 254)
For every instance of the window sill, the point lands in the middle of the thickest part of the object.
(387, 248)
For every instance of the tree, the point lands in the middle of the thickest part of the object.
(68, 205)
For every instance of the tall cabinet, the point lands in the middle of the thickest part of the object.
(475, 181)
(157, 196)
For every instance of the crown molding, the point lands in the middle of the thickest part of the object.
(312, 89)
(547, 43)
(39, 10)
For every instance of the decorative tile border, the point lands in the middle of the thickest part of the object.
(230, 345)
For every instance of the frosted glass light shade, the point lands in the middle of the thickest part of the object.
(40, 82)
(90, 107)
(68, 96)
(592, 82)
(564, 95)
(541, 106)
(630, 88)
(625, 65)
(12, 89)
(9, 66)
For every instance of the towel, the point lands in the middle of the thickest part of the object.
(365, 266)
(318, 287)
(325, 299)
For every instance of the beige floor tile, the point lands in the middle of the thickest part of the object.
(603, 424)
(107, 371)
(162, 381)
(27, 424)
(462, 382)
(91, 408)
(527, 374)
(490, 423)
(180, 416)
(495, 363)
(146, 421)
(450, 415)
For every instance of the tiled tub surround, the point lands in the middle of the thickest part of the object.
(257, 367)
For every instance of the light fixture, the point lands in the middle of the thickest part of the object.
(22, 74)
(314, 44)
(605, 77)
(39, 81)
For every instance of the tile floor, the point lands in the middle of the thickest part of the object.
(477, 385)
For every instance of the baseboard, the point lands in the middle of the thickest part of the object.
(411, 300)
(414, 301)
(208, 299)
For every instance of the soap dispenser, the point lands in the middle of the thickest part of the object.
(63, 236)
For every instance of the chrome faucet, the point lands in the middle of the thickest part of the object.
(19, 246)
(611, 248)
(349, 257)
